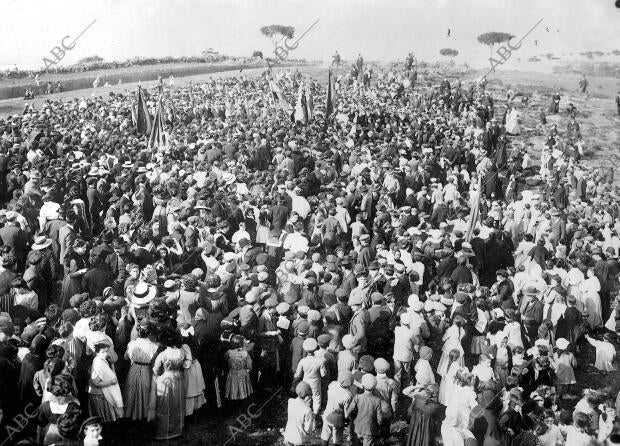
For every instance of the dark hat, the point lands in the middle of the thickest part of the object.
(373, 265)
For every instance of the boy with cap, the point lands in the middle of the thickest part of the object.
(311, 369)
(346, 358)
(388, 390)
(338, 397)
(366, 413)
(358, 325)
(300, 421)
(297, 351)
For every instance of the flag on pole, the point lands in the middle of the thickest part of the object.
(143, 118)
(134, 113)
(301, 108)
(331, 94)
(474, 214)
(158, 137)
(309, 103)
(278, 97)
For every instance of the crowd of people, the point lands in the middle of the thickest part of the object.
(405, 248)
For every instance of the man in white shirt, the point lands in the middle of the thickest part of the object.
(296, 241)
(240, 234)
(342, 215)
(299, 203)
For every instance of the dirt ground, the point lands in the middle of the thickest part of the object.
(600, 126)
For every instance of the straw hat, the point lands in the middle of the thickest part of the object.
(143, 293)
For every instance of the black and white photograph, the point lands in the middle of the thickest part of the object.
(310, 223)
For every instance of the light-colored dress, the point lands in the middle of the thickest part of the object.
(299, 423)
(605, 354)
(139, 379)
(195, 383)
(105, 402)
(170, 393)
(238, 384)
(454, 430)
(564, 372)
(452, 340)
(447, 385)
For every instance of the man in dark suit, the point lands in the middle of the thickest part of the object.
(532, 314)
(279, 214)
(447, 264)
(118, 261)
(14, 237)
(9, 263)
(66, 237)
(349, 281)
(505, 290)
(378, 330)
(358, 325)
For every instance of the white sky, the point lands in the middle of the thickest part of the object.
(379, 29)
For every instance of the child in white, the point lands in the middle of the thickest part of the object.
(423, 371)
(605, 353)
(403, 348)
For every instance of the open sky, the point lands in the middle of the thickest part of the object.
(380, 29)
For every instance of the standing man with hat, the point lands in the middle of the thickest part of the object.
(367, 253)
(48, 267)
(15, 238)
(358, 326)
(532, 314)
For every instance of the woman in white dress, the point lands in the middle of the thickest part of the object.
(512, 122)
(447, 385)
(454, 428)
(522, 253)
(452, 340)
(591, 300)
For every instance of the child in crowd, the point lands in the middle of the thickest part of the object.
(564, 362)
(605, 353)
(238, 383)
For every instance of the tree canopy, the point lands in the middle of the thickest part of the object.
(91, 59)
(449, 52)
(278, 32)
(257, 53)
(493, 38)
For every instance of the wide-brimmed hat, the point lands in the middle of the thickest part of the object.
(143, 293)
(41, 242)
(119, 242)
(228, 178)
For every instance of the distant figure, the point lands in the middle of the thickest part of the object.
(409, 61)
(37, 80)
(50, 87)
(618, 102)
(583, 84)
(360, 63)
(120, 81)
(96, 82)
(512, 122)
(542, 123)
(59, 87)
(171, 81)
(336, 60)
(554, 107)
